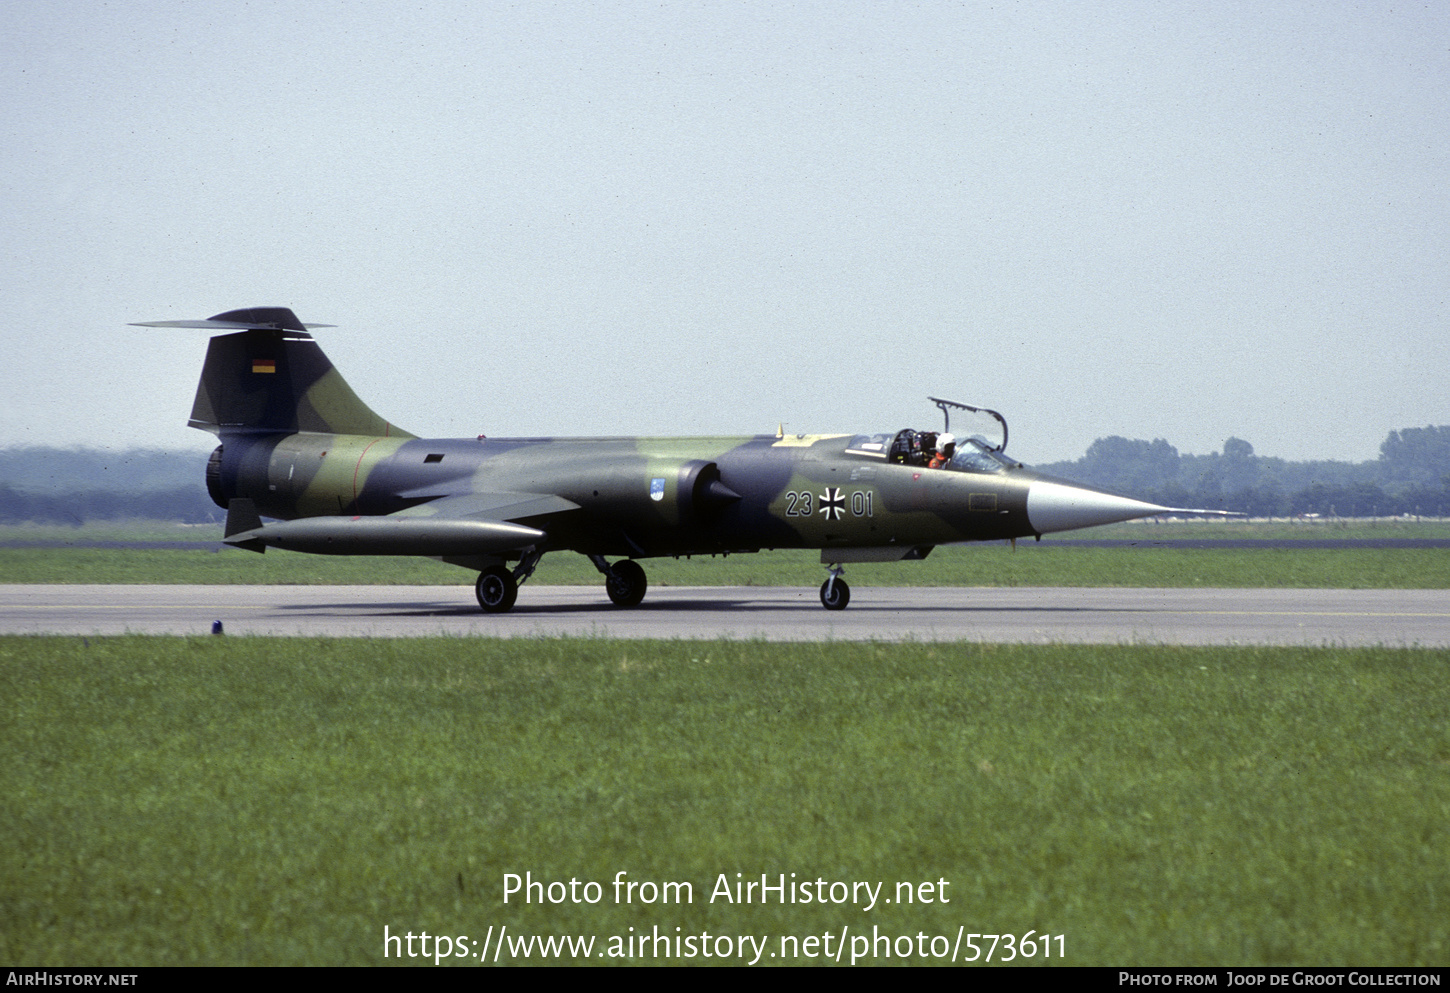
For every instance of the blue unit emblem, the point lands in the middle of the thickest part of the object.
(656, 490)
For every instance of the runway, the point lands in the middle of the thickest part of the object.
(1016, 615)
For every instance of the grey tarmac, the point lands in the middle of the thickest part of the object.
(1031, 615)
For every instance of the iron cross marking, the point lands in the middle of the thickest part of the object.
(833, 504)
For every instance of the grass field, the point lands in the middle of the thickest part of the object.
(249, 801)
(1056, 563)
(979, 565)
(252, 801)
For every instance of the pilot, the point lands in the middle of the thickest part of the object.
(946, 447)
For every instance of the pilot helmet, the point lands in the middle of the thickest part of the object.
(945, 441)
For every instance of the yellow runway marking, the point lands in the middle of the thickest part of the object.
(1293, 613)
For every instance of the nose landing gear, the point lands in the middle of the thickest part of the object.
(835, 594)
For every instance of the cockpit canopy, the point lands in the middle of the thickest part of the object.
(916, 448)
(979, 442)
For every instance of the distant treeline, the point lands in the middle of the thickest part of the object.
(1411, 476)
(72, 486)
(187, 504)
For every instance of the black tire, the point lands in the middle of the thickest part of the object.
(496, 590)
(835, 596)
(626, 583)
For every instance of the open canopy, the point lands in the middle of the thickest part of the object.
(977, 441)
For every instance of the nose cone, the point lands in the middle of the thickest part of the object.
(1060, 507)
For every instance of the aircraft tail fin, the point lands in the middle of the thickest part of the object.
(269, 375)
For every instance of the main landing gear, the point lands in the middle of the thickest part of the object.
(835, 594)
(497, 589)
(624, 581)
(498, 586)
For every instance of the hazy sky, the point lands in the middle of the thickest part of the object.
(1150, 219)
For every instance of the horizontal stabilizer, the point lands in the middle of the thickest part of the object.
(430, 536)
(246, 319)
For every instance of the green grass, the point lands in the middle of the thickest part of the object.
(118, 530)
(1059, 563)
(251, 801)
(981, 565)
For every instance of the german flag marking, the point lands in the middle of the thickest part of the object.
(264, 365)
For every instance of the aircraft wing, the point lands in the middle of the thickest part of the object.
(467, 525)
(491, 506)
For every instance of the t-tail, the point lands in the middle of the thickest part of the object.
(270, 376)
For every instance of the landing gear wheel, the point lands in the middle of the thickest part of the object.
(835, 595)
(625, 583)
(496, 590)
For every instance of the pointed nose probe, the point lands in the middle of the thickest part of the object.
(1060, 507)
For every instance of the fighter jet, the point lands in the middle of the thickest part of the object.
(298, 446)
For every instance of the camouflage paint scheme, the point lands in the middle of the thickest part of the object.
(298, 445)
